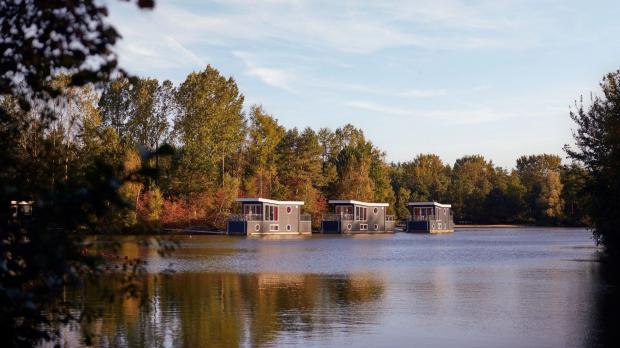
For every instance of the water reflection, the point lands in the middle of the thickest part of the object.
(603, 329)
(508, 288)
(229, 310)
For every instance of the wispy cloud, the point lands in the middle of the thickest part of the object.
(274, 77)
(472, 115)
(372, 26)
(383, 109)
(178, 47)
(424, 93)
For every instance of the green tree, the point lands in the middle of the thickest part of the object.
(353, 165)
(210, 126)
(43, 38)
(115, 106)
(300, 173)
(597, 143)
(575, 195)
(540, 175)
(380, 176)
(505, 203)
(43, 255)
(264, 135)
(142, 124)
(330, 149)
(469, 187)
(427, 177)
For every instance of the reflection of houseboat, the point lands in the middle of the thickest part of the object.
(261, 216)
(357, 217)
(430, 217)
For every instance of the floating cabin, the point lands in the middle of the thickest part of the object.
(351, 216)
(261, 216)
(430, 217)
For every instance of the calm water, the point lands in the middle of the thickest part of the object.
(530, 287)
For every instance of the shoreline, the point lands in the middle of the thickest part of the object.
(493, 226)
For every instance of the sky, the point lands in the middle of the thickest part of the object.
(450, 77)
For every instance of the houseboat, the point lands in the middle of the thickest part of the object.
(349, 216)
(261, 216)
(430, 217)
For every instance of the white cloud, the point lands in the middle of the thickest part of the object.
(191, 56)
(424, 93)
(369, 106)
(364, 28)
(274, 77)
(472, 115)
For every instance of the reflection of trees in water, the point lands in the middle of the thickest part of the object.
(214, 309)
(603, 329)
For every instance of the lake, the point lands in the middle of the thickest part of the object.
(512, 287)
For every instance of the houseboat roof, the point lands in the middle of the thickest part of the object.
(429, 203)
(265, 200)
(349, 201)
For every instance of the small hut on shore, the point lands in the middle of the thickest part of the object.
(350, 216)
(262, 216)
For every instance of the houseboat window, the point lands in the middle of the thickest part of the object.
(274, 227)
(288, 227)
(289, 210)
(253, 209)
(363, 227)
(344, 209)
(271, 213)
(360, 213)
(376, 210)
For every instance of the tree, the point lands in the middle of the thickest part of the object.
(330, 149)
(427, 177)
(43, 255)
(143, 125)
(598, 149)
(540, 175)
(210, 127)
(380, 176)
(469, 187)
(353, 166)
(505, 203)
(576, 197)
(115, 106)
(264, 135)
(42, 38)
(300, 170)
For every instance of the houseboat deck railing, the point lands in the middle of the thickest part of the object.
(305, 217)
(389, 218)
(245, 217)
(337, 217)
(422, 218)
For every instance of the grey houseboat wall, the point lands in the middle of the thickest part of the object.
(430, 217)
(261, 216)
(350, 216)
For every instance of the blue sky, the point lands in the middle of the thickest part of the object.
(449, 77)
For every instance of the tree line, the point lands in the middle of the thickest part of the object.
(208, 150)
(96, 166)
